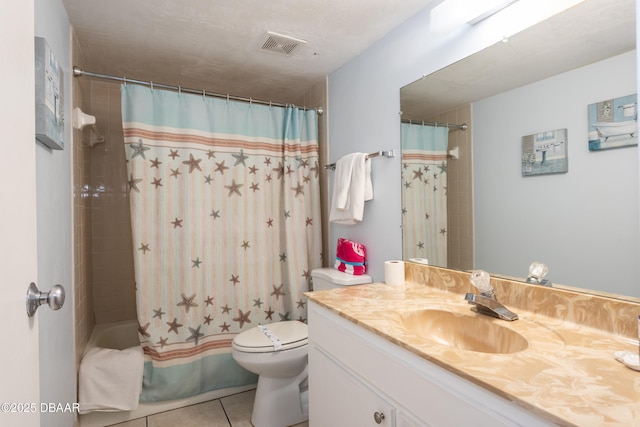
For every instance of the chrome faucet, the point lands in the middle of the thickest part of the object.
(486, 301)
(490, 307)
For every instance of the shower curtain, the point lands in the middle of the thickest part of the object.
(424, 192)
(225, 210)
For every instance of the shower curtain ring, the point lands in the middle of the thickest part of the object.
(179, 90)
(151, 84)
(124, 79)
(203, 94)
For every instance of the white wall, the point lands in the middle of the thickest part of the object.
(569, 221)
(18, 259)
(53, 177)
(364, 106)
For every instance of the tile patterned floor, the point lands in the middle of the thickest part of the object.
(230, 411)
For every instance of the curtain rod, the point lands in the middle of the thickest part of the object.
(77, 72)
(436, 124)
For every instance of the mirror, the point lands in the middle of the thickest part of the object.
(583, 223)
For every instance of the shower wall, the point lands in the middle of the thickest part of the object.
(111, 283)
(112, 255)
(459, 190)
(84, 318)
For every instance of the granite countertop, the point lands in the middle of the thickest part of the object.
(567, 373)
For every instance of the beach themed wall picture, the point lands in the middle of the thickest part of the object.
(613, 123)
(545, 153)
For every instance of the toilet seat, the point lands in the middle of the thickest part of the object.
(291, 333)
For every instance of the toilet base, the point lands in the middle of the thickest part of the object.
(281, 402)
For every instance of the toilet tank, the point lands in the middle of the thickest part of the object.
(330, 278)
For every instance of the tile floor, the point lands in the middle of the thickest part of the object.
(229, 411)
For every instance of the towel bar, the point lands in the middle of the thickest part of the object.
(387, 153)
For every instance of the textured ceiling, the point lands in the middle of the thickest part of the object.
(586, 33)
(216, 44)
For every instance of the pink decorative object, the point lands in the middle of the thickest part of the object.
(351, 257)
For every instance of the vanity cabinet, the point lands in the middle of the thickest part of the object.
(358, 378)
(349, 401)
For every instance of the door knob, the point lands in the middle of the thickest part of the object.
(54, 298)
(378, 417)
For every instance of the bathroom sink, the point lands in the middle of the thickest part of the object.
(466, 332)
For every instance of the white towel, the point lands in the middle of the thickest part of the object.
(351, 188)
(368, 186)
(110, 380)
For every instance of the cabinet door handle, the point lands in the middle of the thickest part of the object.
(379, 417)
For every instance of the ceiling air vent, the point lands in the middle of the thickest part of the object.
(281, 44)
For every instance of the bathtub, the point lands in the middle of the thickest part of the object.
(123, 335)
(613, 129)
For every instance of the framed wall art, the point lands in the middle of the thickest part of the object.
(545, 153)
(613, 123)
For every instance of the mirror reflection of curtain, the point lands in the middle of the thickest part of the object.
(424, 192)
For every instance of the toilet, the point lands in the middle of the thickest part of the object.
(330, 278)
(277, 352)
(281, 396)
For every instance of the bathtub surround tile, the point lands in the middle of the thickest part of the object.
(459, 194)
(84, 319)
(111, 257)
(208, 414)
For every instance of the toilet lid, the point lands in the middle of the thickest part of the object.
(290, 334)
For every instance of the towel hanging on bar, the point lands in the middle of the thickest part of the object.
(351, 188)
(387, 153)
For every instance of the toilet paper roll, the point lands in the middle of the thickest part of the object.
(394, 273)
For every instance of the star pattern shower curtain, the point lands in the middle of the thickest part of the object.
(424, 192)
(225, 209)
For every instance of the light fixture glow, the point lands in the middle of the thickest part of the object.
(453, 13)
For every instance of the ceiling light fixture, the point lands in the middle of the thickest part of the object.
(452, 13)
